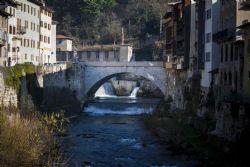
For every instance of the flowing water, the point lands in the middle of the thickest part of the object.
(110, 134)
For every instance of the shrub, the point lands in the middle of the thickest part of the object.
(27, 140)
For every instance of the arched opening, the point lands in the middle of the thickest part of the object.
(142, 82)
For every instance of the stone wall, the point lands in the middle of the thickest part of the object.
(8, 96)
(232, 119)
(63, 86)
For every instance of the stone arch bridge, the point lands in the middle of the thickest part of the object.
(84, 78)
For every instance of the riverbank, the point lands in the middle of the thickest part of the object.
(186, 134)
(30, 139)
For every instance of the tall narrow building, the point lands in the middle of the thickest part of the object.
(211, 48)
(46, 52)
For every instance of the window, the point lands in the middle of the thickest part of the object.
(88, 55)
(32, 57)
(208, 56)
(26, 24)
(45, 25)
(14, 12)
(14, 30)
(226, 52)
(231, 53)
(230, 78)
(221, 54)
(48, 40)
(97, 55)
(41, 38)
(208, 14)
(237, 50)
(106, 55)
(10, 29)
(41, 23)
(31, 10)
(13, 49)
(49, 26)
(25, 56)
(225, 78)
(208, 37)
(8, 47)
(28, 8)
(24, 8)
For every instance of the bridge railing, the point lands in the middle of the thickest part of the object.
(122, 64)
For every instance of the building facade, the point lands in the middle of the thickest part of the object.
(123, 53)
(28, 29)
(47, 55)
(29, 32)
(211, 48)
(5, 13)
(231, 41)
(64, 43)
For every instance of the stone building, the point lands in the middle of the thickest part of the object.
(4, 16)
(64, 43)
(98, 53)
(28, 30)
(231, 41)
(177, 34)
(46, 52)
(211, 48)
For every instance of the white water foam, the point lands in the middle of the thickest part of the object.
(127, 111)
(134, 92)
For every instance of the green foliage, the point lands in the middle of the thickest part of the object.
(14, 74)
(101, 20)
(95, 8)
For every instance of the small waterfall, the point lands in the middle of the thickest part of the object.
(105, 90)
(134, 92)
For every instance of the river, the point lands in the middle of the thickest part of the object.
(109, 133)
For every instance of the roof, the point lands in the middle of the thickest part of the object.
(48, 9)
(63, 37)
(12, 3)
(37, 2)
(3, 13)
(95, 48)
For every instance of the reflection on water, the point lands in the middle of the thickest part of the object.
(111, 135)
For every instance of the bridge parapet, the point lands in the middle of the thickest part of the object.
(123, 64)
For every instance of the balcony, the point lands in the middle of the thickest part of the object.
(180, 65)
(22, 30)
(223, 35)
(243, 4)
(3, 38)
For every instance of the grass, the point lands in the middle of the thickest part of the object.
(184, 133)
(30, 140)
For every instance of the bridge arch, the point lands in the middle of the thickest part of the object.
(102, 81)
(96, 74)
